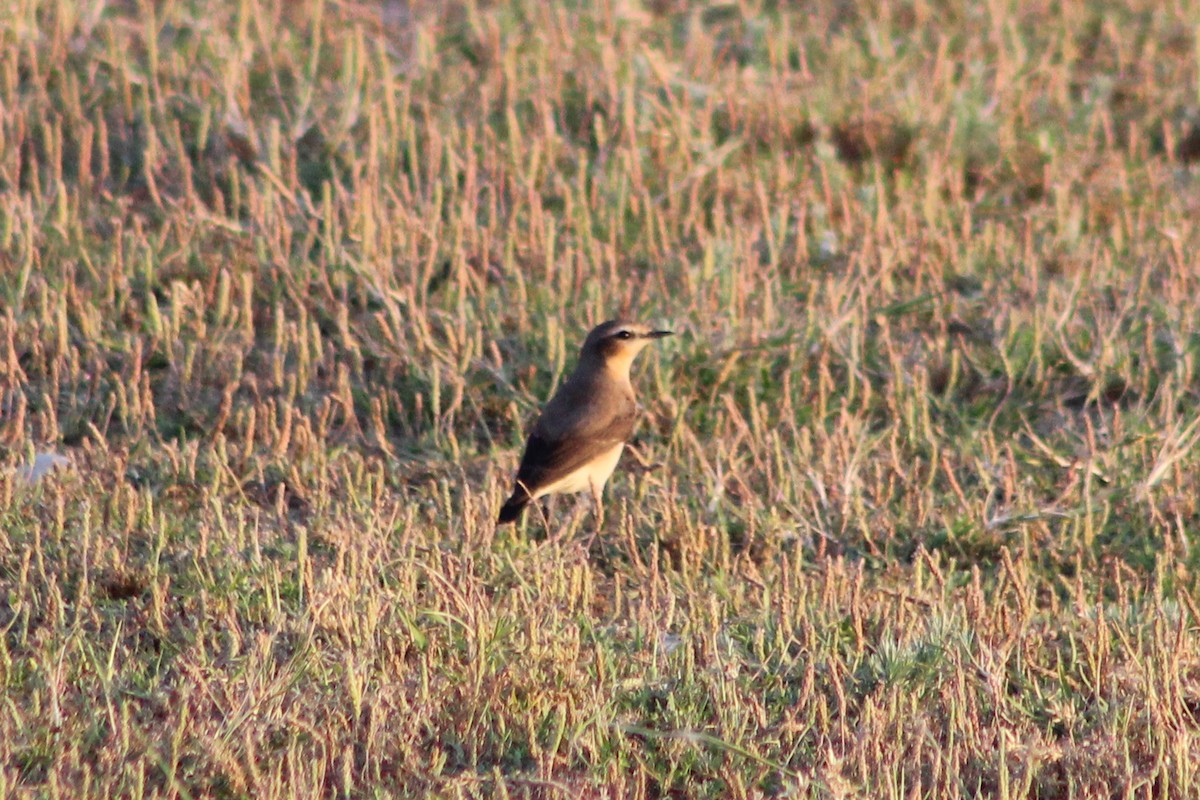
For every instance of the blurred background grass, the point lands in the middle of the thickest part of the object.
(286, 281)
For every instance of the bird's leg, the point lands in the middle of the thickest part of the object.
(554, 534)
(598, 507)
(597, 497)
(565, 527)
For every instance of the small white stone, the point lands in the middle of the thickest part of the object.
(42, 465)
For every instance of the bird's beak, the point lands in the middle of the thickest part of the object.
(658, 334)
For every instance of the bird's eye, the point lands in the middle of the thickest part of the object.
(624, 335)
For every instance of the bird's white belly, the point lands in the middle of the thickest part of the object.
(595, 473)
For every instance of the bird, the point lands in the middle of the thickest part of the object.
(576, 442)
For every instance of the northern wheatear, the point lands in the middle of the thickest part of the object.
(578, 439)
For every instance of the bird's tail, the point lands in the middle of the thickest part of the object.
(513, 508)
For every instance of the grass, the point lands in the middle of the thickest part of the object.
(287, 282)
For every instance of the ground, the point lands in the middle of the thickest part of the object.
(915, 484)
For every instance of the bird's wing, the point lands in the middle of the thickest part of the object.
(563, 442)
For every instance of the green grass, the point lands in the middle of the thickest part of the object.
(287, 282)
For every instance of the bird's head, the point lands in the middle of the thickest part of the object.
(616, 342)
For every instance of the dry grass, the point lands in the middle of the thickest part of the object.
(286, 281)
